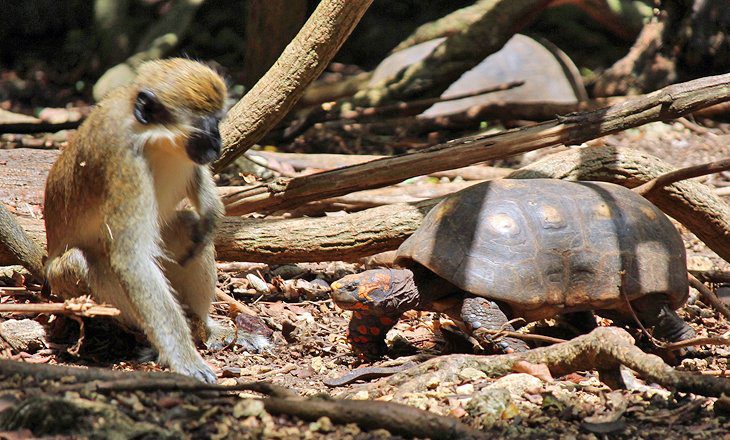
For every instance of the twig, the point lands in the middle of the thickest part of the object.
(68, 308)
(171, 384)
(683, 174)
(238, 266)
(327, 112)
(713, 276)
(406, 108)
(233, 302)
(709, 296)
(703, 340)
(523, 336)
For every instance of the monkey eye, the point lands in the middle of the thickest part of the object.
(148, 109)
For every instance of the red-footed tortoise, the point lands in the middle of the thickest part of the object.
(529, 249)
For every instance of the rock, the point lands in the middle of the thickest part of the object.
(516, 384)
(24, 334)
(471, 375)
(488, 405)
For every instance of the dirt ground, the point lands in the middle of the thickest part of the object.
(310, 346)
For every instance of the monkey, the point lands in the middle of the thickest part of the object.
(112, 214)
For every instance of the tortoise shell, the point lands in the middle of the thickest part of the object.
(546, 246)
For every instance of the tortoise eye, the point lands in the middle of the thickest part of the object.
(148, 109)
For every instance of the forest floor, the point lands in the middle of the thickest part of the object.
(310, 346)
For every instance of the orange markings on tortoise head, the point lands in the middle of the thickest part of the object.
(375, 331)
(363, 330)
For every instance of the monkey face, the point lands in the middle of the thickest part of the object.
(186, 98)
(203, 143)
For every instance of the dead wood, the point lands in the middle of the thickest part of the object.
(668, 103)
(624, 20)
(324, 162)
(10, 368)
(371, 198)
(86, 309)
(603, 349)
(396, 418)
(327, 112)
(353, 236)
(303, 60)
(687, 39)
(683, 174)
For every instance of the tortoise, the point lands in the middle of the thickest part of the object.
(531, 249)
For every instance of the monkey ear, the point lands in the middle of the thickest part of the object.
(148, 109)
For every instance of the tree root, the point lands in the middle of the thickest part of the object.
(396, 418)
(604, 349)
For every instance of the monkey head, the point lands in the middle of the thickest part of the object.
(181, 100)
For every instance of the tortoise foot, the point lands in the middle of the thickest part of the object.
(480, 313)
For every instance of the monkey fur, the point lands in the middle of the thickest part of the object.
(111, 208)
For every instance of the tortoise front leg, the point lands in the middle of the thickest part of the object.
(366, 332)
(478, 312)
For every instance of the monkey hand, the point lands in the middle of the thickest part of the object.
(201, 231)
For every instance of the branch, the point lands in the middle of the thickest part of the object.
(668, 103)
(78, 308)
(682, 174)
(279, 89)
(604, 349)
(397, 418)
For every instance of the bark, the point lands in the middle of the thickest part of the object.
(301, 62)
(270, 26)
(669, 103)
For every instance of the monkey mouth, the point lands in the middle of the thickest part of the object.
(204, 145)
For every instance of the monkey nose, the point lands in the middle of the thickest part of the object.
(204, 146)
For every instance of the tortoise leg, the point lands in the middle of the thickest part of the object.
(654, 311)
(366, 333)
(478, 312)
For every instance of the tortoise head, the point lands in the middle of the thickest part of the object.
(362, 291)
